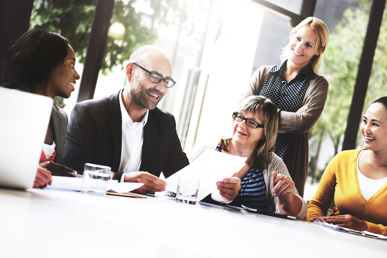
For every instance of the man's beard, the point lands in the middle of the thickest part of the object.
(140, 97)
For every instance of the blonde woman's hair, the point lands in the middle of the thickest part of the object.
(322, 34)
(267, 110)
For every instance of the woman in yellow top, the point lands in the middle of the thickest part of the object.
(357, 179)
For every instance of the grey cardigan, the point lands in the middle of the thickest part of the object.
(299, 124)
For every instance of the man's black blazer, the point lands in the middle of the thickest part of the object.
(94, 136)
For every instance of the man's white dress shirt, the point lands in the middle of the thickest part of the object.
(132, 140)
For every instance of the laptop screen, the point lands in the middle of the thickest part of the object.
(24, 118)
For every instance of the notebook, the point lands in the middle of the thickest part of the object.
(24, 118)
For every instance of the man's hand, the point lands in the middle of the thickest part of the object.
(151, 183)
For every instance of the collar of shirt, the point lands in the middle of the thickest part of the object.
(306, 71)
(125, 118)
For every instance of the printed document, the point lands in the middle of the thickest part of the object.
(210, 167)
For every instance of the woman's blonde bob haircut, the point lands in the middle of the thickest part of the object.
(267, 112)
(322, 33)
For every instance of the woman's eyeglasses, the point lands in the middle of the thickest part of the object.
(249, 122)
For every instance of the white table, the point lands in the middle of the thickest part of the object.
(54, 223)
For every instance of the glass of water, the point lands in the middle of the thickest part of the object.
(95, 179)
(187, 190)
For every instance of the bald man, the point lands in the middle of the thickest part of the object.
(126, 131)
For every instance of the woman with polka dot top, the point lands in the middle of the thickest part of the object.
(298, 92)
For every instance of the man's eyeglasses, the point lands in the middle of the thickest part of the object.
(154, 77)
(249, 122)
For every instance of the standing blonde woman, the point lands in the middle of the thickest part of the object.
(298, 92)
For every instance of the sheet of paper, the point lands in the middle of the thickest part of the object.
(66, 183)
(210, 167)
(75, 184)
(124, 187)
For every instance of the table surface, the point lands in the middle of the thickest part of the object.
(58, 223)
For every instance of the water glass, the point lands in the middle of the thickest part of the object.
(95, 179)
(187, 190)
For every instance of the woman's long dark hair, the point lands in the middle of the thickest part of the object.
(31, 59)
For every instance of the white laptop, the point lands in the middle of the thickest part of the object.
(24, 118)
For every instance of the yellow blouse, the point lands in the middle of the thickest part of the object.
(340, 181)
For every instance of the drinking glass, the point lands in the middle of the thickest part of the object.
(95, 179)
(187, 190)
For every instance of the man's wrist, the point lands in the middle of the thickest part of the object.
(122, 177)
